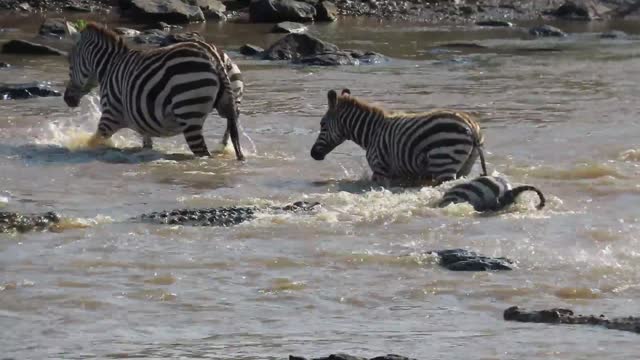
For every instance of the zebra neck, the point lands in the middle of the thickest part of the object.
(105, 58)
(361, 125)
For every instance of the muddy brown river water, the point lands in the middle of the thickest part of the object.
(565, 121)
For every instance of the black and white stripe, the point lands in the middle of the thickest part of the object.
(158, 93)
(487, 193)
(431, 147)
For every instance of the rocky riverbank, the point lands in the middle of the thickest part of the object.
(483, 12)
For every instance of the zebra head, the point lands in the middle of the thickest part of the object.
(331, 134)
(82, 77)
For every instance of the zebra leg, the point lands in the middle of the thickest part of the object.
(232, 128)
(225, 137)
(104, 132)
(147, 142)
(195, 140)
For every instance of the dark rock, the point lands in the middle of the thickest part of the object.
(292, 357)
(4, 65)
(581, 10)
(26, 91)
(152, 36)
(126, 32)
(281, 10)
(342, 356)
(392, 357)
(55, 27)
(547, 31)
(297, 46)
(289, 27)
(78, 8)
(566, 316)
(614, 34)
(24, 7)
(173, 11)
(494, 23)
(184, 37)
(467, 10)
(326, 11)
(11, 221)
(331, 58)
(29, 48)
(251, 50)
(212, 9)
(464, 260)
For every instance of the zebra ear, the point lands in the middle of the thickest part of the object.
(333, 99)
(71, 32)
(346, 92)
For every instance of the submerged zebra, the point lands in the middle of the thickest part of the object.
(403, 149)
(159, 92)
(487, 193)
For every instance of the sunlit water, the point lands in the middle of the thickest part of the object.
(352, 277)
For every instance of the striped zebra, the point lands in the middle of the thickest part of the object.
(402, 149)
(487, 193)
(159, 92)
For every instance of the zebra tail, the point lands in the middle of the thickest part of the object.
(520, 189)
(480, 150)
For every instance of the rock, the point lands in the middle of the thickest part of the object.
(153, 36)
(494, 23)
(281, 10)
(566, 316)
(126, 32)
(326, 11)
(467, 10)
(342, 356)
(370, 57)
(289, 27)
(184, 37)
(212, 9)
(53, 26)
(614, 34)
(24, 7)
(392, 357)
(77, 8)
(161, 25)
(581, 10)
(11, 221)
(251, 50)
(4, 65)
(26, 91)
(173, 11)
(546, 31)
(330, 58)
(29, 48)
(297, 46)
(464, 260)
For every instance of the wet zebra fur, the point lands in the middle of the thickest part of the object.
(159, 92)
(402, 148)
(487, 193)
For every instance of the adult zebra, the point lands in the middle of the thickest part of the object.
(402, 149)
(159, 92)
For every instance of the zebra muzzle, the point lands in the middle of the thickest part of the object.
(71, 99)
(316, 154)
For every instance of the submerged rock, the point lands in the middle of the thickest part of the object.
(289, 27)
(26, 91)
(29, 48)
(297, 46)
(281, 10)
(546, 31)
(494, 23)
(251, 50)
(566, 316)
(4, 65)
(11, 221)
(343, 356)
(464, 260)
(173, 11)
(53, 26)
(614, 34)
(332, 58)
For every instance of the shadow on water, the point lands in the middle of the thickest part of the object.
(55, 154)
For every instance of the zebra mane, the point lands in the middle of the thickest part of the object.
(105, 33)
(351, 101)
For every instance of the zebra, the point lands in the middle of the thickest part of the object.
(158, 92)
(402, 148)
(487, 193)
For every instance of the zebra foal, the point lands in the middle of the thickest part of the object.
(159, 92)
(404, 149)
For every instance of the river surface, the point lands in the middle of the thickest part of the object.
(351, 277)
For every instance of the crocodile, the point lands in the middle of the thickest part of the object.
(567, 316)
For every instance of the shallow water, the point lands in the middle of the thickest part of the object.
(337, 280)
